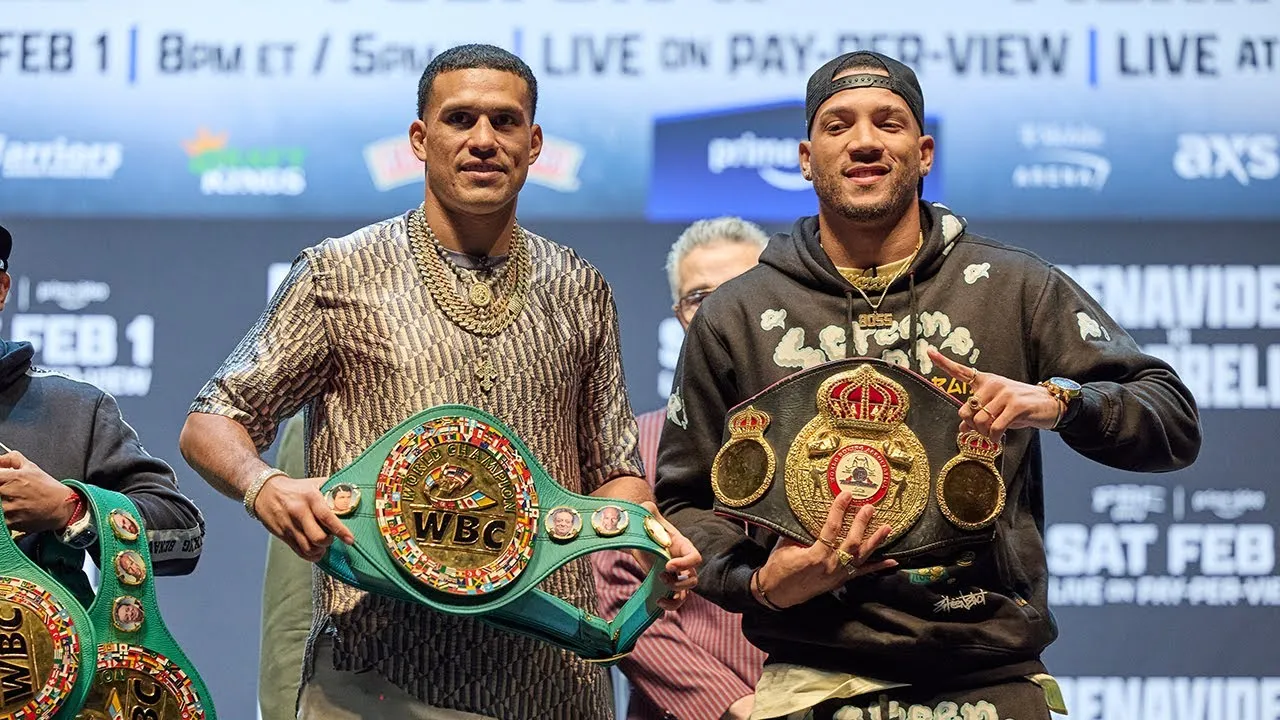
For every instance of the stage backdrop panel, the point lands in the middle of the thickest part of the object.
(299, 108)
(1164, 585)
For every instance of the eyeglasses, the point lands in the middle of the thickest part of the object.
(689, 303)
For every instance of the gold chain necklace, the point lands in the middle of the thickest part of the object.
(875, 318)
(487, 311)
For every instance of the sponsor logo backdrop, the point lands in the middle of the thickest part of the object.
(1061, 108)
(1133, 143)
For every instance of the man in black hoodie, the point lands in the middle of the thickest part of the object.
(880, 273)
(54, 428)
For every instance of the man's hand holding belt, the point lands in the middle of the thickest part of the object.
(33, 500)
(681, 571)
(294, 510)
(795, 573)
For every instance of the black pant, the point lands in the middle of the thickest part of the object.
(1013, 700)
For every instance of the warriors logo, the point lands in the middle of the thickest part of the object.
(456, 506)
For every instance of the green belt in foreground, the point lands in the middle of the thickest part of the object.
(46, 641)
(141, 671)
(451, 510)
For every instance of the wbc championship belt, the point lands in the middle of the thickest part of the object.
(142, 674)
(46, 641)
(451, 510)
(885, 434)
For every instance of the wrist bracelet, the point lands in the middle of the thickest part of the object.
(764, 599)
(79, 531)
(251, 495)
(1062, 410)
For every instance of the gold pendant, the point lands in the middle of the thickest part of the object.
(486, 373)
(479, 294)
(875, 320)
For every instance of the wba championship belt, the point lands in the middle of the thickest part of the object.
(142, 674)
(451, 510)
(887, 435)
(46, 641)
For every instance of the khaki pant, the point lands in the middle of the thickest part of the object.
(333, 695)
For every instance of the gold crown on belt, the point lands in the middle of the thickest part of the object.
(863, 398)
(747, 423)
(975, 445)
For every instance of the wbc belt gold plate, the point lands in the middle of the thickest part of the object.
(39, 651)
(456, 506)
(136, 683)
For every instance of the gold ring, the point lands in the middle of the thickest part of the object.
(829, 544)
(974, 403)
(983, 409)
(845, 559)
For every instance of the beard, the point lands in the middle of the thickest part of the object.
(831, 192)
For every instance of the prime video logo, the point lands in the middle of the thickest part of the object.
(775, 159)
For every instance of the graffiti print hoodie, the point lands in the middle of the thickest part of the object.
(985, 617)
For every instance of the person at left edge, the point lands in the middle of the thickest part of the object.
(451, 302)
(57, 428)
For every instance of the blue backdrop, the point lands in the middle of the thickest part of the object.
(157, 163)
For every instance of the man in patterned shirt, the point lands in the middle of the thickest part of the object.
(452, 302)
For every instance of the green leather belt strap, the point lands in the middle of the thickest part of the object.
(141, 671)
(451, 510)
(46, 641)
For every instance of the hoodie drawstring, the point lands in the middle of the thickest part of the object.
(848, 307)
(915, 321)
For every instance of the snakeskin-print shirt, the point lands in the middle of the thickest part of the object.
(354, 336)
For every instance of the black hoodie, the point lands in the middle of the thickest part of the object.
(74, 430)
(997, 308)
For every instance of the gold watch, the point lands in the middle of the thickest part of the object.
(1064, 391)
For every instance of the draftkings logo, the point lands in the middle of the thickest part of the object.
(227, 170)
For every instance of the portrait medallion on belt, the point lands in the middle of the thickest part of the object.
(970, 488)
(859, 441)
(456, 506)
(134, 682)
(40, 650)
(743, 468)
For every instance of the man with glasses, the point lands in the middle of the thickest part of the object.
(694, 663)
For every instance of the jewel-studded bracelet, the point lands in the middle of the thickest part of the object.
(251, 495)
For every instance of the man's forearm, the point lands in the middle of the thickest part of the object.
(220, 449)
(626, 487)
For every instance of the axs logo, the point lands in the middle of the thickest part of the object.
(1215, 156)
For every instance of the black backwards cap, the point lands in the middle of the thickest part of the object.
(901, 81)
(6, 246)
